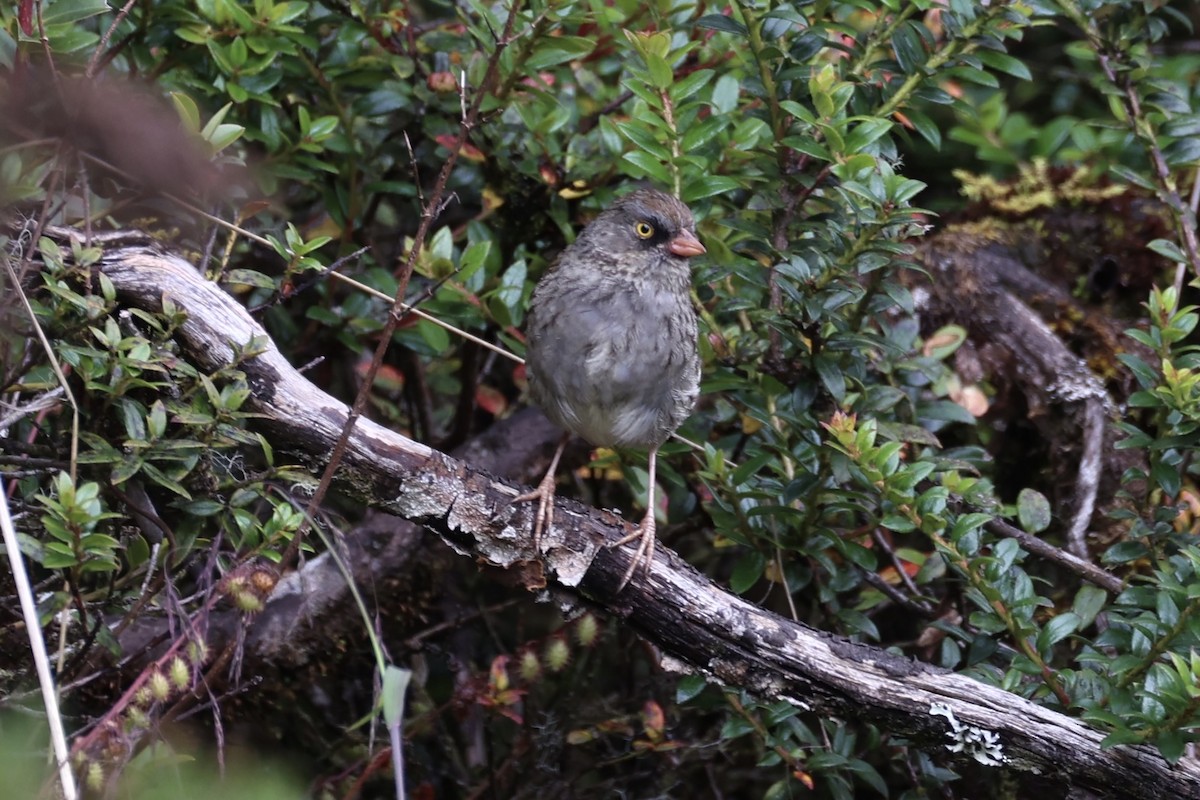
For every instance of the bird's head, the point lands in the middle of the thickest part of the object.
(646, 223)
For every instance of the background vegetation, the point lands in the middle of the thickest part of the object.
(462, 145)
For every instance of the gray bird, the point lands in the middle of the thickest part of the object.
(612, 341)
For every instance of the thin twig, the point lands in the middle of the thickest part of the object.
(1084, 569)
(37, 645)
(897, 564)
(94, 61)
(39, 403)
(896, 596)
(1193, 203)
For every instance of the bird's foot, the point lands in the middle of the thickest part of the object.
(544, 518)
(644, 555)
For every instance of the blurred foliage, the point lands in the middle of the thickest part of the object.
(801, 134)
(160, 772)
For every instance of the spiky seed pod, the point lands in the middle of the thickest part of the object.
(529, 666)
(160, 687)
(587, 630)
(181, 675)
(558, 654)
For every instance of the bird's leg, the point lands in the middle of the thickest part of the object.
(544, 494)
(644, 556)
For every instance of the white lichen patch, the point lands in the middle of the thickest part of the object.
(421, 497)
(979, 743)
(803, 705)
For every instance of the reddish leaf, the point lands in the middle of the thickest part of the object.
(654, 722)
(387, 378)
(490, 400)
(468, 151)
(498, 675)
(25, 17)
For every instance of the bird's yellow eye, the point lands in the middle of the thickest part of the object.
(644, 230)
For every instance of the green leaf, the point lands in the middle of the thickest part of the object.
(58, 556)
(162, 479)
(725, 94)
(900, 432)
(1186, 125)
(945, 341)
(187, 109)
(134, 417)
(1124, 552)
(1168, 102)
(1184, 152)
(974, 75)
(441, 245)
(649, 165)
(661, 73)
(641, 135)
(689, 85)
(696, 136)
(747, 571)
(1089, 601)
(1130, 176)
(924, 126)
(689, 687)
(437, 337)
(62, 12)
(908, 47)
(720, 22)
(897, 523)
(858, 623)
(1033, 511)
(1171, 744)
(553, 50)
(248, 277)
(831, 376)
(1167, 249)
(704, 186)
(809, 147)
(474, 257)
(512, 289)
(1004, 63)
(799, 111)
(865, 133)
(137, 551)
(750, 467)
(1057, 629)
(946, 411)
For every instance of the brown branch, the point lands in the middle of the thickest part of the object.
(94, 61)
(698, 626)
(1084, 569)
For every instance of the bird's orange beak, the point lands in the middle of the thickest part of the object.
(686, 244)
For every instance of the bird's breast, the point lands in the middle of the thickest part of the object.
(619, 368)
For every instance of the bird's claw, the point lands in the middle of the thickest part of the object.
(544, 518)
(644, 555)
